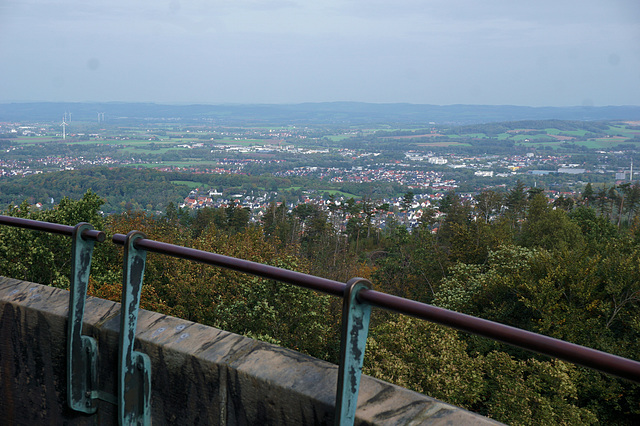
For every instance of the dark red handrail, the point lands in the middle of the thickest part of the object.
(598, 360)
(54, 228)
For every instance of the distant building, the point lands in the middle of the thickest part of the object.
(438, 160)
(540, 172)
(571, 170)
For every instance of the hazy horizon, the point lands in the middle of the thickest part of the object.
(460, 52)
(169, 103)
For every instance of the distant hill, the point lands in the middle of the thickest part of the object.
(328, 113)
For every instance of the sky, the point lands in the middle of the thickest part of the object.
(441, 52)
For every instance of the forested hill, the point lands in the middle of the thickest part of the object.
(351, 113)
(121, 188)
(568, 269)
(529, 127)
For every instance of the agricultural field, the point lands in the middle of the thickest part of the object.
(337, 138)
(241, 142)
(343, 161)
(442, 144)
(340, 193)
(188, 183)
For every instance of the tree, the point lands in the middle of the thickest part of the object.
(601, 201)
(614, 199)
(457, 218)
(277, 224)
(206, 217)
(488, 203)
(589, 299)
(549, 228)
(587, 194)
(43, 257)
(426, 358)
(279, 313)
(516, 202)
(597, 230)
(407, 201)
(435, 360)
(632, 200)
(237, 217)
(563, 203)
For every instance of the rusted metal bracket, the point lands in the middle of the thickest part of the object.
(353, 341)
(134, 368)
(81, 350)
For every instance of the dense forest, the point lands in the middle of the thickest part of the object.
(568, 269)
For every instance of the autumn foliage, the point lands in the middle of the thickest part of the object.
(568, 271)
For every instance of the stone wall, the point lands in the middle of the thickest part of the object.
(200, 375)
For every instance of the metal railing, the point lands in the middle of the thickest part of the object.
(53, 228)
(545, 345)
(81, 350)
(358, 299)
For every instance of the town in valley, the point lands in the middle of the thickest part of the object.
(324, 164)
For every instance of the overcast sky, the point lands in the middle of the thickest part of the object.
(536, 53)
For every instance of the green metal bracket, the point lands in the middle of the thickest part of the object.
(81, 350)
(134, 368)
(353, 341)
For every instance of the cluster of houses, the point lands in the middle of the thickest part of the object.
(53, 163)
(198, 199)
(391, 173)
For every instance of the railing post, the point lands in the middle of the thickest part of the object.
(353, 341)
(81, 350)
(134, 368)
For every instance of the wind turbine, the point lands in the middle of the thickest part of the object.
(64, 126)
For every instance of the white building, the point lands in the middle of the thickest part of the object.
(438, 160)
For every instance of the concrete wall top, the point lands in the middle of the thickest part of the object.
(200, 375)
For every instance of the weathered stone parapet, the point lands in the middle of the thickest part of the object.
(200, 375)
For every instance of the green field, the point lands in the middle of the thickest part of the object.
(92, 142)
(190, 184)
(129, 143)
(443, 143)
(136, 142)
(141, 150)
(474, 135)
(576, 133)
(339, 193)
(520, 138)
(28, 140)
(200, 164)
(623, 130)
(601, 143)
(555, 144)
(271, 127)
(195, 163)
(338, 138)
(145, 165)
